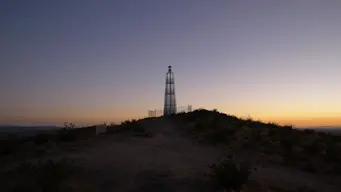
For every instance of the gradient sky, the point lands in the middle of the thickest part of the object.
(103, 60)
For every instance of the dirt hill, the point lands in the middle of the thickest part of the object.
(175, 154)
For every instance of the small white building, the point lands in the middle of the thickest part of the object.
(100, 129)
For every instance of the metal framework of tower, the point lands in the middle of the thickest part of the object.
(170, 102)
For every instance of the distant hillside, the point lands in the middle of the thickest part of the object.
(18, 128)
(327, 129)
(23, 130)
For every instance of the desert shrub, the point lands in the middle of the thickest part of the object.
(69, 125)
(134, 121)
(248, 120)
(229, 174)
(256, 124)
(129, 124)
(66, 134)
(182, 113)
(126, 122)
(286, 131)
(288, 126)
(273, 125)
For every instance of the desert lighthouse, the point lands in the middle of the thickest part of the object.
(170, 102)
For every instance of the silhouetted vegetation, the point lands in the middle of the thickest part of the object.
(133, 126)
(307, 150)
(129, 124)
(66, 134)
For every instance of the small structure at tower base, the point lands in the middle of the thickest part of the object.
(160, 112)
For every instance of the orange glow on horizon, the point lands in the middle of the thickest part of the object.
(96, 118)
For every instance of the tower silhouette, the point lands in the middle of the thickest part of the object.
(170, 102)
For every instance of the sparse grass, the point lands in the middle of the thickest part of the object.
(215, 110)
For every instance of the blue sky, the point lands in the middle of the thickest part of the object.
(94, 61)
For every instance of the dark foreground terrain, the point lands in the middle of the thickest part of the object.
(198, 151)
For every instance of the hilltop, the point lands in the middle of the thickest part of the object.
(198, 151)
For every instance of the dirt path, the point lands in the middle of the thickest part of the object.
(118, 162)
